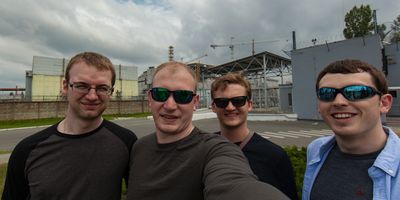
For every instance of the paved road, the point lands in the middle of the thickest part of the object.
(283, 133)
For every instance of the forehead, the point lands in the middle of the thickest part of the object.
(231, 90)
(174, 79)
(338, 80)
(89, 74)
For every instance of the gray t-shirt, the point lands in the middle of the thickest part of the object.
(344, 176)
(51, 165)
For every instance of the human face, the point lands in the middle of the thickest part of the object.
(89, 106)
(231, 116)
(173, 121)
(348, 119)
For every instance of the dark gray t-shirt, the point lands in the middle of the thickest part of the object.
(50, 165)
(200, 166)
(344, 176)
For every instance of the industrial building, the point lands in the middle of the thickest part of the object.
(308, 62)
(44, 81)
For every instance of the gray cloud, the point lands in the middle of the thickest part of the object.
(138, 32)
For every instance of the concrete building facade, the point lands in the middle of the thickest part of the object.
(44, 81)
(308, 62)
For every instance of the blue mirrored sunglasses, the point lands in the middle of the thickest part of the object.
(351, 93)
(180, 96)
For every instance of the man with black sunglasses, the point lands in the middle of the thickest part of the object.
(83, 156)
(362, 159)
(181, 162)
(231, 95)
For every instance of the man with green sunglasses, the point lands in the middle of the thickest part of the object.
(181, 162)
(361, 160)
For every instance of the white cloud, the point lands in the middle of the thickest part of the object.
(139, 32)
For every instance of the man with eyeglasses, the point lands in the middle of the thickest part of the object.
(362, 159)
(231, 101)
(181, 162)
(83, 156)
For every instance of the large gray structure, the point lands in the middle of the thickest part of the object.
(308, 62)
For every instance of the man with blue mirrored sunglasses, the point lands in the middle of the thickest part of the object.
(361, 160)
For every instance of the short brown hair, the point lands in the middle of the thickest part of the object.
(349, 66)
(231, 78)
(96, 60)
(174, 66)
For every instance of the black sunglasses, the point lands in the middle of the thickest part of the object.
(180, 96)
(236, 101)
(351, 93)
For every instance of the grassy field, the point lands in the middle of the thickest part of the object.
(4, 152)
(49, 121)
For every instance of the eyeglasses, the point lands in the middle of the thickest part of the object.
(180, 96)
(351, 93)
(236, 101)
(84, 88)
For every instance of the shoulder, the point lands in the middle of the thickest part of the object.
(319, 142)
(319, 146)
(33, 140)
(124, 134)
(25, 146)
(261, 143)
(119, 130)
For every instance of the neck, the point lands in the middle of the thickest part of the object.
(74, 126)
(365, 143)
(235, 134)
(165, 138)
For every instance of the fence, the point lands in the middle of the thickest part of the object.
(17, 110)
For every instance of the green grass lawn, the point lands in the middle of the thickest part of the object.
(5, 151)
(48, 121)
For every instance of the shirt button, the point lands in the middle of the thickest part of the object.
(390, 171)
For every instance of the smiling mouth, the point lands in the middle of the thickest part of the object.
(168, 116)
(342, 115)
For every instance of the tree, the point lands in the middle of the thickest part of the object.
(358, 22)
(396, 30)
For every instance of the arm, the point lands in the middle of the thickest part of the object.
(16, 185)
(227, 175)
(286, 177)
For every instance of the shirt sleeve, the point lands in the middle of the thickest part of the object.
(227, 175)
(286, 177)
(16, 185)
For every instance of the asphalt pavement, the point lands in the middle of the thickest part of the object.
(283, 130)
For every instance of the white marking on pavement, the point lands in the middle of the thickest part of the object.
(296, 134)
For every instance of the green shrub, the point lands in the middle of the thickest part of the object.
(298, 158)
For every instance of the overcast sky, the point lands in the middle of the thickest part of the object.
(138, 32)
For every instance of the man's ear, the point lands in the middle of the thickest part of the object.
(385, 103)
(196, 101)
(149, 98)
(213, 107)
(64, 88)
(250, 102)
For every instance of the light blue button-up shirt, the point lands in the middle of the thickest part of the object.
(385, 172)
